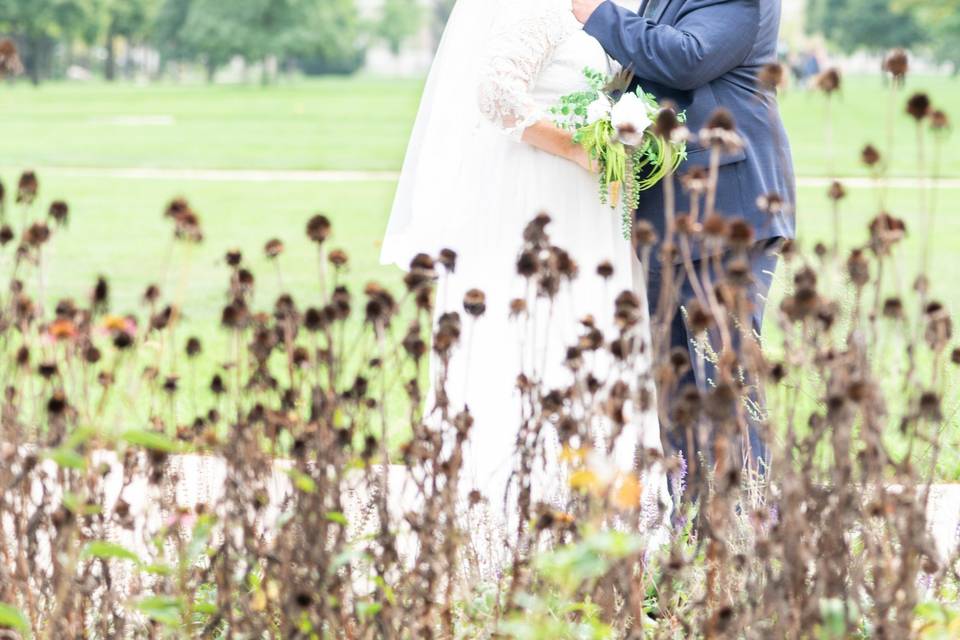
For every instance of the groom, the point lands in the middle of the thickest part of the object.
(702, 55)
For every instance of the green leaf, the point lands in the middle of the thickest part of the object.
(164, 609)
(337, 517)
(107, 551)
(200, 539)
(67, 459)
(80, 436)
(302, 481)
(158, 569)
(13, 618)
(153, 440)
(366, 610)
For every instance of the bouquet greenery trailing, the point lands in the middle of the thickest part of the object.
(618, 133)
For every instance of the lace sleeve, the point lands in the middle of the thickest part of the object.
(516, 55)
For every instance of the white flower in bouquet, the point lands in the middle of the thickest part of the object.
(631, 118)
(599, 109)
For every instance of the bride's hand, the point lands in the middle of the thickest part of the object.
(580, 156)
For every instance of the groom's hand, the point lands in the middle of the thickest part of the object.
(583, 9)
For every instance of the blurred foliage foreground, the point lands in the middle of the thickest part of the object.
(139, 501)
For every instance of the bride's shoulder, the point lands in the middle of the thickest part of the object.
(557, 14)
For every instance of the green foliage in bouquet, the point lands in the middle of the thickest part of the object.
(625, 170)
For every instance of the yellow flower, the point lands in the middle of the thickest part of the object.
(584, 480)
(628, 493)
(573, 456)
(115, 323)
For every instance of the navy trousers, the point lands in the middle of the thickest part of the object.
(763, 258)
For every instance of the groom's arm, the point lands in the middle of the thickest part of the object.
(711, 38)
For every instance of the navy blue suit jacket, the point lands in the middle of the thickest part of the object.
(704, 54)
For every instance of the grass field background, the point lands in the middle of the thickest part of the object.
(118, 229)
(359, 123)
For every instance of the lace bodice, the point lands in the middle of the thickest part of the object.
(537, 56)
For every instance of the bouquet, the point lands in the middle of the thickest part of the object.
(618, 134)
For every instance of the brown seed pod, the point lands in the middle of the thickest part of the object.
(919, 106)
(897, 64)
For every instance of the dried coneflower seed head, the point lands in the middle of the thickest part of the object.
(176, 208)
(6, 235)
(771, 76)
(448, 258)
(771, 203)
(721, 118)
(939, 121)
(194, 347)
(475, 303)
(57, 403)
(897, 64)
(918, 106)
(644, 235)
(740, 234)
(829, 81)
(27, 188)
(666, 121)
(858, 268)
(338, 258)
(9, 58)
(318, 228)
(421, 261)
(101, 294)
(47, 370)
(605, 270)
(151, 294)
(686, 226)
(699, 318)
(836, 191)
(885, 231)
(518, 306)
(273, 248)
(929, 406)
(59, 212)
(715, 226)
(870, 156)
(36, 234)
(528, 264)
(695, 180)
(893, 308)
(955, 356)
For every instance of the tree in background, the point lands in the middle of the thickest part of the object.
(399, 21)
(330, 39)
(39, 25)
(167, 32)
(942, 19)
(127, 19)
(873, 25)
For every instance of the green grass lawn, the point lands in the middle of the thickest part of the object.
(359, 123)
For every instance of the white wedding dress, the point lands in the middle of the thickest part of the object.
(535, 53)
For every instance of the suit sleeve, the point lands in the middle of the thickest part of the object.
(711, 38)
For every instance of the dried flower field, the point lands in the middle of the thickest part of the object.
(267, 353)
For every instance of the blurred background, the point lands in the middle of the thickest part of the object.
(270, 41)
(264, 112)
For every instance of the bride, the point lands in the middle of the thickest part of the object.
(485, 157)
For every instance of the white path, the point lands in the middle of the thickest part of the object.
(284, 175)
